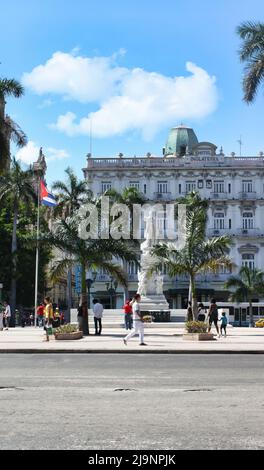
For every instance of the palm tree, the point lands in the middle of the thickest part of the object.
(199, 255)
(16, 185)
(9, 130)
(252, 54)
(249, 284)
(70, 195)
(89, 254)
(129, 196)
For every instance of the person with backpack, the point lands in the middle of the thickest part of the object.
(128, 315)
(213, 316)
(223, 325)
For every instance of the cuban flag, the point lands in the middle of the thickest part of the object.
(47, 199)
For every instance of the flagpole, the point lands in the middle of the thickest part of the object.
(37, 257)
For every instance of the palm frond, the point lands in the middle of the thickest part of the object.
(11, 87)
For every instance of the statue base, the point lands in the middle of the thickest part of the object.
(153, 302)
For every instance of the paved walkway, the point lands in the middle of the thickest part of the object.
(159, 340)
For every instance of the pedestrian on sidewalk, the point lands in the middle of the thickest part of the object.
(1, 316)
(48, 313)
(223, 325)
(138, 322)
(40, 314)
(213, 316)
(7, 315)
(98, 315)
(128, 315)
(189, 311)
(201, 313)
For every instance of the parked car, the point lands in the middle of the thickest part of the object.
(260, 323)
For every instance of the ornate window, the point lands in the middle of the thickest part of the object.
(134, 184)
(162, 187)
(247, 186)
(248, 221)
(219, 220)
(248, 260)
(106, 185)
(219, 186)
(132, 268)
(190, 186)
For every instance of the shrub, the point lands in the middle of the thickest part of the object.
(66, 329)
(196, 327)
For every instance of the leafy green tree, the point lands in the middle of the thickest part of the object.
(252, 54)
(246, 286)
(9, 130)
(89, 254)
(26, 252)
(17, 185)
(199, 254)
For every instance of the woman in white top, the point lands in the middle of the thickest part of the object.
(137, 321)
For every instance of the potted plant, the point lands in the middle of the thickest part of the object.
(196, 331)
(68, 332)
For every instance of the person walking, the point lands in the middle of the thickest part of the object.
(138, 322)
(98, 315)
(213, 316)
(40, 314)
(128, 315)
(223, 325)
(1, 316)
(7, 315)
(48, 313)
(201, 313)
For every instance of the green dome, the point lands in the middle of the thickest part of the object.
(179, 139)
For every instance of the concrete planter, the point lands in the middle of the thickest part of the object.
(199, 337)
(69, 336)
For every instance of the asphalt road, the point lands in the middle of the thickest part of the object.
(131, 402)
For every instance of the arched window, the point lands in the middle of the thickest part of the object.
(248, 260)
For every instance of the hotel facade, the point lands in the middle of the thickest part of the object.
(232, 185)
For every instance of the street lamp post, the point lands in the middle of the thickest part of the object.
(111, 289)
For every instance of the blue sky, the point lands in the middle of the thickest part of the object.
(122, 61)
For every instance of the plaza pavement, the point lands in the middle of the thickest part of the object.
(160, 339)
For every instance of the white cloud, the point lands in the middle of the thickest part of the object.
(128, 99)
(30, 153)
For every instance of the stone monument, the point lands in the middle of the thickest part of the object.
(150, 286)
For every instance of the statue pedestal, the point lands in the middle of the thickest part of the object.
(153, 302)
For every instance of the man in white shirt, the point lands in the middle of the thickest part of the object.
(7, 315)
(137, 321)
(98, 315)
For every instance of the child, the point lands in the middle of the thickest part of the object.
(223, 325)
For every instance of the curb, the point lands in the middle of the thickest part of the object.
(127, 351)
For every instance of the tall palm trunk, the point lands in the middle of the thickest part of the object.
(251, 318)
(14, 260)
(194, 299)
(69, 294)
(84, 303)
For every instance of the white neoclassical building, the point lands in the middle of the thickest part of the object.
(233, 185)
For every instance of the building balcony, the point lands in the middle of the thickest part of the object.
(248, 196)
(163, 196)
(220, 196)
(249, 232)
